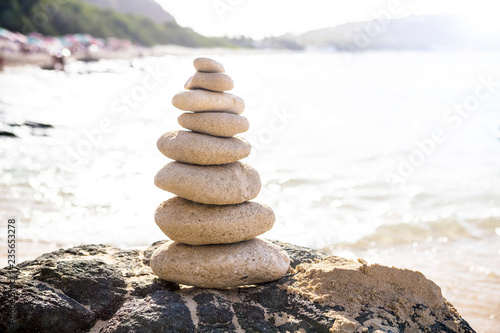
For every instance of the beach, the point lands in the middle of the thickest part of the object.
(44, 59)
(363, 155)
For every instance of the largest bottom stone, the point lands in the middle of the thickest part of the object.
(220, 266)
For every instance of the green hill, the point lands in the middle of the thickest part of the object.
(55, 18)
(149, 8)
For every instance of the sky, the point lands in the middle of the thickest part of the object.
(263, 18)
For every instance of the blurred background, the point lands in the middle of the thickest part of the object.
(375, 125)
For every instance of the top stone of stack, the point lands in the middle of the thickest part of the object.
(208, 65)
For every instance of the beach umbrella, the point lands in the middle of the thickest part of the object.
(53, 42)
(8, 35)
(5, 34)
(19, 37)
(36, 35)
(32, 40)
(99, 41)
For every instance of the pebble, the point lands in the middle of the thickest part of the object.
(202, 149)
(214, 123)
(220, 266)
(210, 81)
(224, 184)
(203, 100)
(198, 224)
(208, 65)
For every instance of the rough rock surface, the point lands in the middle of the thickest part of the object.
(225, 184)
(203, 100)
(214, 123)
(193, 223)
(133, 299)
(202, 149)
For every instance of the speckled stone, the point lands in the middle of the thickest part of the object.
(210, 81)
(208, 65)
(204, 100)
(202, 149)
(214, 123)
(224, 184)
(199, 224)
(220, 266)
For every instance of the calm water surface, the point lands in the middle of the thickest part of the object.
(392, 157)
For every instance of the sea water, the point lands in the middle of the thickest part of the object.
(393, 157)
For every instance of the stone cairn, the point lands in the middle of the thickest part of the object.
(211, 220)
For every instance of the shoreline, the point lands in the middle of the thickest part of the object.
(40, 59)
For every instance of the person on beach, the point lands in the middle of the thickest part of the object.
(58, 62)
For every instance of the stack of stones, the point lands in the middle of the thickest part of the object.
(211, 220)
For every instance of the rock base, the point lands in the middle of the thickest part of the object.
(105, 289)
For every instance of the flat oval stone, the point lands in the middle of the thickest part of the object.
(208, 65)
(214, 123)
(202, 149)
(193, 223)
(203, 100)
(210, 81)
(220, 266)
(224, 184)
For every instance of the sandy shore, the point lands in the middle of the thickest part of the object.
(45, 59)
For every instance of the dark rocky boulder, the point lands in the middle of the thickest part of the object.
(8, 134)
(100, 288)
